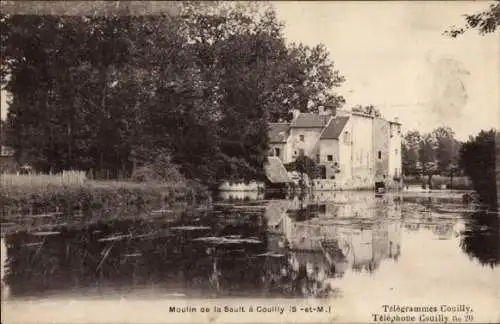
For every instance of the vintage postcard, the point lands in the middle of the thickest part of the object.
(250, 162)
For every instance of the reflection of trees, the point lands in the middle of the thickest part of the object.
(307, 273)
(81, 258)
(129, 253)
(157, 253)
(443, 230)
(481, 238)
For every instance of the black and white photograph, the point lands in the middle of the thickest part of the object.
(250, 162)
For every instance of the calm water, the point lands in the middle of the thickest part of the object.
(329, 245)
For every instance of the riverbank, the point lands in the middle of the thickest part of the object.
(41, 194)
(437, 181)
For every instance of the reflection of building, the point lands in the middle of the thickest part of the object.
(359, 232)
(3, 264)
(443, 231)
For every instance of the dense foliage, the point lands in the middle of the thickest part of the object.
(477, 158)
(436, 152)
(113, 93)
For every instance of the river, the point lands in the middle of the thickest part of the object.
(351, 248)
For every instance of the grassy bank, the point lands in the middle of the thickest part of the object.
(458, 183)
(39, 194)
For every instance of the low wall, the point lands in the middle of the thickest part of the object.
(329, 185)
(354, 184)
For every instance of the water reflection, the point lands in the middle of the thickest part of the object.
(284, 247)
(338, 232)
(481, 238)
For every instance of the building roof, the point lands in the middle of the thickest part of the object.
(310, 120)
(278, 132)
(275, 171)
(334, 128)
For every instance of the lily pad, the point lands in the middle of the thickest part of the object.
(226, 240)
(271, 254)
(46, 233)
(114, 238)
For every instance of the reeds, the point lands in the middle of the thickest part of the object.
(71, 192)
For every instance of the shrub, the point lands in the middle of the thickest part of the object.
(160, 169)
(477, 158)
(102, 198)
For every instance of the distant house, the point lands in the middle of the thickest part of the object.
(356, 149)
(278, 139)
(7, 159)
(305, 132)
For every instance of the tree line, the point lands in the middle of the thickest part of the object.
(194, 91)
(430, 153)
(438, 152)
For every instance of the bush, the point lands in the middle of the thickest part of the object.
(477, 158)
(160, 169)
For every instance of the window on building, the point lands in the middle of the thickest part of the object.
(329, 157)
(379, 155)
(396, 151)
(347, 138)
(277, 151)
(317, 158)
(294, 153)
(301, 138)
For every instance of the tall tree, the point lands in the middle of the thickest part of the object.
(410, 151)
(477, 158)
(112, 92)
(446, 148)
(486, 22)
(427, 156)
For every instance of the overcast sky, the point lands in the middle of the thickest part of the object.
(393, 55)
